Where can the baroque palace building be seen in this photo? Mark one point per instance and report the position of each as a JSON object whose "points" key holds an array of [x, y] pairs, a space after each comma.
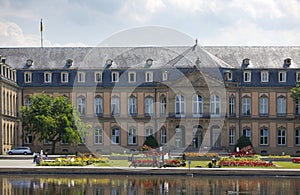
{"points": [[189, 98]]}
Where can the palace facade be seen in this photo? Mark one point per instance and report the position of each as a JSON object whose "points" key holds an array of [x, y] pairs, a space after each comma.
{"points": [[188, 98]]}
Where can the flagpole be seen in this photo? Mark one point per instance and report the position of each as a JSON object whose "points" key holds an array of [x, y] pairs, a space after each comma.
{"points": [[41, 29]]}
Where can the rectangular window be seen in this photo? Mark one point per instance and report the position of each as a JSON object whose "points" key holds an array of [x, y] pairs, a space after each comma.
{"points": [[163, 136], [148, 106], [98, 136], [231, 136], [98, 77], [132, 136], [282, 76], [27, 77], [64, 141], [247, 76], [232, 106], [246, 106], [115, 77], [115, 136], [264, 137], [179, 106], [165, 76], [47, 77], [115, 106], [148, 76], [163, 106], [98, 104], [264, 76], [297, 137], [81, 77], [131, 77], [28, 138], [197, 106], [298, 77], [281, 106], [247, 132], [263, 106], [64, 77], [132, 106], [281, 137]]}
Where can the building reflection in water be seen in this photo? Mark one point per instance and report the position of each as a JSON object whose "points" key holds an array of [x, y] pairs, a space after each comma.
{"points": [[147, 185]]}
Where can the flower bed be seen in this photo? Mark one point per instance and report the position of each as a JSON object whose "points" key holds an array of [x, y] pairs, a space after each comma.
{"points": [[296, 160], [244, 162], [149, 163], [74, 161]]}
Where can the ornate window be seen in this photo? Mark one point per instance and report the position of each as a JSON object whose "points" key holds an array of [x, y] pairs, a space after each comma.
{"points": [[163, 105], [231, 105], [148, 106], [281, 106], [246, 106], [132, 106], [215, 105], [263, 106], [115, 106]]}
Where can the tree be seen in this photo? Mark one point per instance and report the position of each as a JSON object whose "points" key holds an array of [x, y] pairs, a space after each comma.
{"points": [[53, 119], [295, 92], [243, 141], [151, 142]]}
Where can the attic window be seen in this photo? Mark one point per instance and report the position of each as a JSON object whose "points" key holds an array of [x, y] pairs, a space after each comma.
{"points": [[287, 62], [149, 62], [69, 62], [29, 62], [108, 63], [246, 62], [3, 59]]}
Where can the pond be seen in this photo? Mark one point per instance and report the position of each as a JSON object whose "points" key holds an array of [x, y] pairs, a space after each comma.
{"points": [[147, 185]]}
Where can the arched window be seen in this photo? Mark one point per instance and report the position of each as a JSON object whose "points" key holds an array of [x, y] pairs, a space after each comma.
{"points": [[179, 136], [263, 106], [197, 136]]}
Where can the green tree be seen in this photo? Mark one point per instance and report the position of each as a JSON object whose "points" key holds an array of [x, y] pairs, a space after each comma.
{"points": [[243, 141], [53, 119], [151, 142], [295, 92]]}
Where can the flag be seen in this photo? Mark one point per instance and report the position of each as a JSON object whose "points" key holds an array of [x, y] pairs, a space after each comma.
{"points": [[42, 26]]}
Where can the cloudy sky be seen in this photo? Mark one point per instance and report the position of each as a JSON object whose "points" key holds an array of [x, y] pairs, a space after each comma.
{"points": [[92, 22]]}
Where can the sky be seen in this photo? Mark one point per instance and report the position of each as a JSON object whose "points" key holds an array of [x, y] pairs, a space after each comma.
{"points": [[80, 23]]}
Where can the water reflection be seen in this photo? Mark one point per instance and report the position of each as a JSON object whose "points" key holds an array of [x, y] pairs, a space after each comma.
{"points": [[148, 185]]}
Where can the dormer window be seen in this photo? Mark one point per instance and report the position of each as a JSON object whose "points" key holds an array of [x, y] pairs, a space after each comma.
{"points": [[149, 63], [246, 62], [29, 62], [98, 77], [108, 63], [282, 76], [287, 62], [298, 76], [69, 62], [228, 75], [64, 77], [165, 76], [27, 77], [247, 76], [148, 76], [47, 77], [115, 77], [131, 77], [81, 77], [3, 59], [264, 76]]}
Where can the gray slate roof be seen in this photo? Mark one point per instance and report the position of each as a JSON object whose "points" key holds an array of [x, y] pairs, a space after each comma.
{"points": [[124, 57]]}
